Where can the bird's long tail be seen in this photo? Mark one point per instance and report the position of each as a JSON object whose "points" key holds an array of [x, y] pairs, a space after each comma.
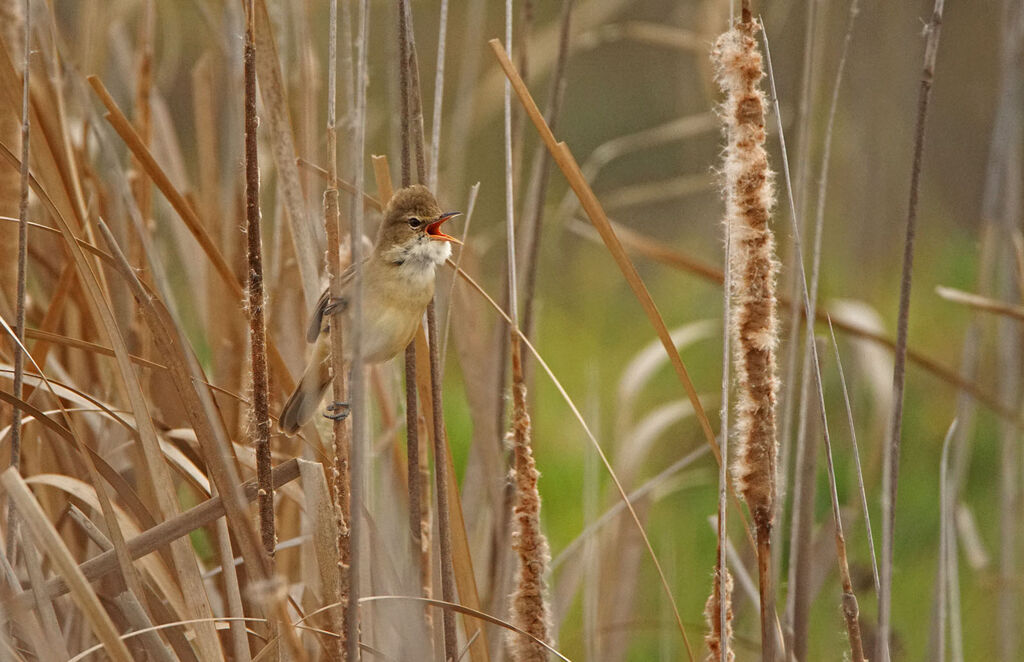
{"points": [[304, 401]]}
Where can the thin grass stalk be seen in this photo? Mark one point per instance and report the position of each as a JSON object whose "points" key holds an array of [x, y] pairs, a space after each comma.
{"points": [[891, 455], [850, 609], [946, 506], [357, 394], [749, 197], [533, 210], [865, 511], [340, 476], [718, 637], [435, 126], [798, 607], [19, 324], [796, 340], [257, 322]]}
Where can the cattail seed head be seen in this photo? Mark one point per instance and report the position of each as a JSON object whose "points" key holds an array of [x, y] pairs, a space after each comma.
{"points": [[749, 196]]}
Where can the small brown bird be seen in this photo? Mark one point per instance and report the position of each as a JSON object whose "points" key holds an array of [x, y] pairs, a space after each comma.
{"points": [[398, 283]]}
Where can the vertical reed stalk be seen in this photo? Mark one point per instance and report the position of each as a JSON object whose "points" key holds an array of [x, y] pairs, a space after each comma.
{"points": [[257, 322], [412, 146], [19, 325], [749, 195], [357, 392], [891, 459], [719, 606], [342, 440]]}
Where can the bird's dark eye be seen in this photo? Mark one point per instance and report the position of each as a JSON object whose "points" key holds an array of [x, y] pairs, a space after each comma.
{"points": [[415, 222]]}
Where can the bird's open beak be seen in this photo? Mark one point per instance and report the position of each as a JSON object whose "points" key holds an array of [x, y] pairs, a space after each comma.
{"points": [[434, 229]]}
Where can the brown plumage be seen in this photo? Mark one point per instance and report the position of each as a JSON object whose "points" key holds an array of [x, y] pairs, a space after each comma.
{"points": [[398, 283]]}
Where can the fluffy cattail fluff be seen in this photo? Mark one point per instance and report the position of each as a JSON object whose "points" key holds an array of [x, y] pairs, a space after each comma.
{"points": [[749, 196], [717, 636], [529, 609]]}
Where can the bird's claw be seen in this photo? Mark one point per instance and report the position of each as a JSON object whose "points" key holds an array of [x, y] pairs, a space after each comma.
{"points": [[335, 304], [339, 411]]}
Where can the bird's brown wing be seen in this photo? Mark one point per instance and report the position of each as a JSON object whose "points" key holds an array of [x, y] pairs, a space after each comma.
{"points": [[325, 305]]}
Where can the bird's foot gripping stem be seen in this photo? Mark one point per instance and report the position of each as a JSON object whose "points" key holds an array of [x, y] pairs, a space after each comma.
{"points": [[338, 411]]}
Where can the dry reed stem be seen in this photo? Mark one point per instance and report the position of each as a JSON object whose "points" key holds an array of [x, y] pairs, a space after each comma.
{"points": [[340, 470], [19, 325], [412, 145], [260, 411], [357, 391], [442, 486], [979, 302], [435, 120], [890, 462], [462, 562], [749, 197]]}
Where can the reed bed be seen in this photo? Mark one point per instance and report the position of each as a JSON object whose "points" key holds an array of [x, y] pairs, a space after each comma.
{"points": [[535, 478]]}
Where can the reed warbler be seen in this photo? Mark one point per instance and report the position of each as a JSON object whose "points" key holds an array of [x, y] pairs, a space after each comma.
{"points": [[398, 283]]}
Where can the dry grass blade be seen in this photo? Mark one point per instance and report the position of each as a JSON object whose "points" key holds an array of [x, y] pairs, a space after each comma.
{"points": [[209, 429], [979, 302], [161, 534], [155, 469], [47, 538], [462, 609], [185, 211]]}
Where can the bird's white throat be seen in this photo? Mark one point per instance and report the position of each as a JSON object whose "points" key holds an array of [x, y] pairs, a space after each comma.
{"points": [[417, 259]]}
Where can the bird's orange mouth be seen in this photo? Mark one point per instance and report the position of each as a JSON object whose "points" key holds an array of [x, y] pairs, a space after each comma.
{"points": [[434, 229]]}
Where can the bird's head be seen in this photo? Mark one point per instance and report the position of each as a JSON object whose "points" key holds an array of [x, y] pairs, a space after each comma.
{"points": [[411, 229]]}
